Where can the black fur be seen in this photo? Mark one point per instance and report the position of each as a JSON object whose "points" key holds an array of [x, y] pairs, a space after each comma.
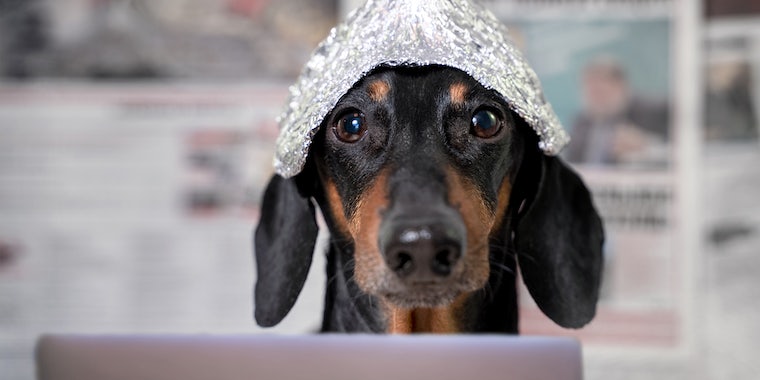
{"points": [[550, 230], [284, 243]]}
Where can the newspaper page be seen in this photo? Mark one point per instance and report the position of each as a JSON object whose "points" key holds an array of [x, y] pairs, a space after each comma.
{"points": [[607, 75], [135, 139]]}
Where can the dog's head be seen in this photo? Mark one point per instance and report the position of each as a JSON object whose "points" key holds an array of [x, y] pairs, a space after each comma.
{"points": [[427, 177]]}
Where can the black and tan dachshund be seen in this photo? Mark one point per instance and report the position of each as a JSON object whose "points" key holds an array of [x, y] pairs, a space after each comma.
{"points": [[434, 193]]}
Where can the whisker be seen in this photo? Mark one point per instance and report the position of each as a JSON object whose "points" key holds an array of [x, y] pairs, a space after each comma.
{"points": [[331, 280], [512, 252], [523, 255], [502, 267]]}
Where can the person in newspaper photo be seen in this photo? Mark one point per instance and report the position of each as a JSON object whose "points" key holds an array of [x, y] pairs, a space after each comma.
{"points": [[617, 126]]}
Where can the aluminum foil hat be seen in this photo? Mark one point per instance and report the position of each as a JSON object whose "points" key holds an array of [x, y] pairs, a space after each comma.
{"points": [[455, 33]]}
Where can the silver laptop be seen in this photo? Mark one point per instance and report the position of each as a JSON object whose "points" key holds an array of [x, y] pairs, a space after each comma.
{"points": [[315, 357]]}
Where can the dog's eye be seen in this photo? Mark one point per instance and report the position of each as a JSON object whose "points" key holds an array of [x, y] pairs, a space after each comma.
{"points": [[350, 127], [485, 124]]}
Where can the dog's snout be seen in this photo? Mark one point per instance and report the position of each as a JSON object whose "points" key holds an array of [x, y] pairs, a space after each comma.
{"points": [[422, 250]]}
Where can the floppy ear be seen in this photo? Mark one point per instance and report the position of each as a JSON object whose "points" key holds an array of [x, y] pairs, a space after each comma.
{"points": [[284, 243], [559, 238]]}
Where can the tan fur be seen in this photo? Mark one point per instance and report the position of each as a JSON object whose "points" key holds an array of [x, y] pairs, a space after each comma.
{"points": [[365, 227], [399, 320], [378, 90], [478, 221], [505, 190], [336, 207], [457, 93]]}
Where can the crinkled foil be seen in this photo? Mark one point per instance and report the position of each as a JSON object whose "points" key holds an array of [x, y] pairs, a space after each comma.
{"points": [[455, 33]]}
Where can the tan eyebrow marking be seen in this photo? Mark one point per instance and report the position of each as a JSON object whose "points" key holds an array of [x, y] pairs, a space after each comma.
{"points": [[378, 90], [457, 92]]}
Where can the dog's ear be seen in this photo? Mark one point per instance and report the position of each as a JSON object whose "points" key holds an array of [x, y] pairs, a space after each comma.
{"points": [[558, 238], [284, 243]]}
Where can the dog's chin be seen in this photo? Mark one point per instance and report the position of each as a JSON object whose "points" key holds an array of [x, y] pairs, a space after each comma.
{"points": [[426, 295], [411, 294], [422, 298]]}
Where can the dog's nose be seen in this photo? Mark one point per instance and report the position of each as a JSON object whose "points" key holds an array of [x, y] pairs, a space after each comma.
{"points": [[422, 251]]}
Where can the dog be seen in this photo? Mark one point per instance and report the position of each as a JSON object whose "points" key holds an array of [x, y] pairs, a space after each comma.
{"points": [[434, 193]]}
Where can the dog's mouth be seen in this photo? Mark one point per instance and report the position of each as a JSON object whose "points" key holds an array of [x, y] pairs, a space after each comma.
{"points": [[410, 293], [423, 295]]}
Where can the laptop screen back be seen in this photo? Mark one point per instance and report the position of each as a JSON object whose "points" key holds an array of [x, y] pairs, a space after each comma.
{"points": [[333, 357]]}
